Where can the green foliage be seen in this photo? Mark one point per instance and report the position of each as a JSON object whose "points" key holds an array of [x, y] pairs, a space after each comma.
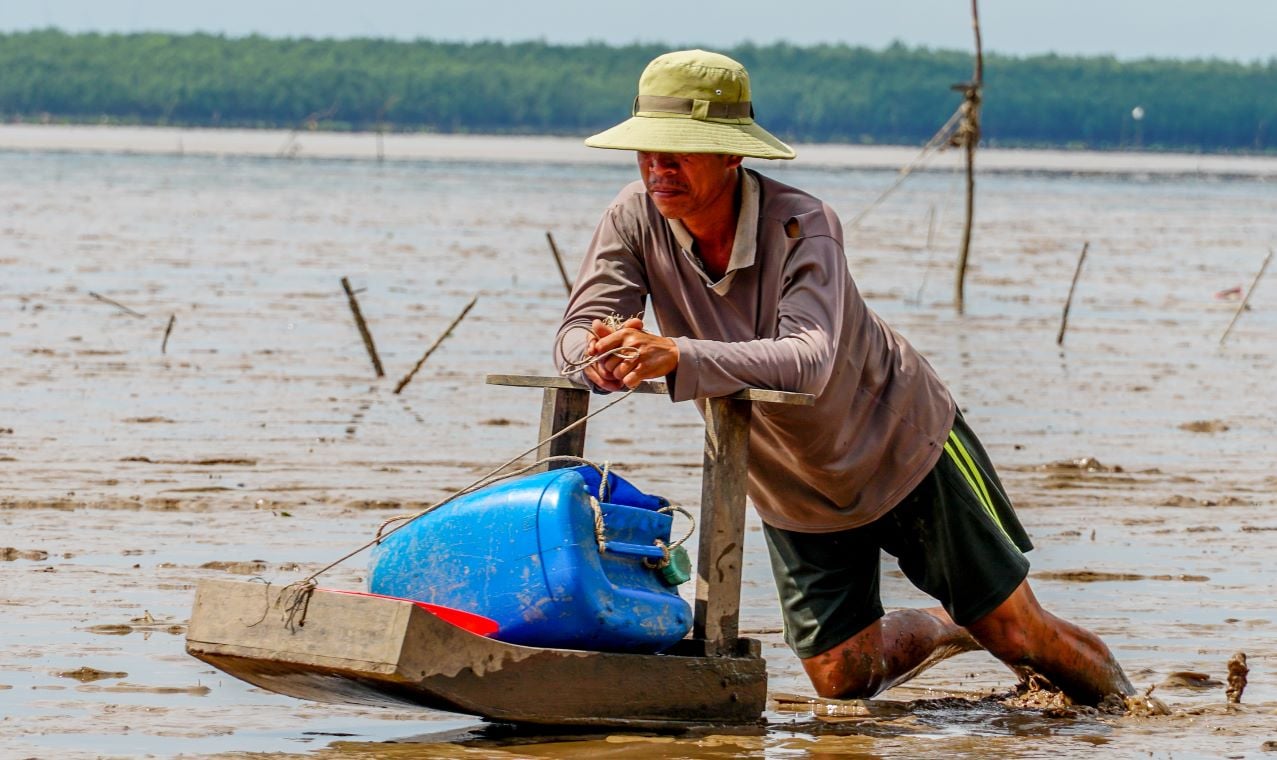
{"points": [[820, 93]]}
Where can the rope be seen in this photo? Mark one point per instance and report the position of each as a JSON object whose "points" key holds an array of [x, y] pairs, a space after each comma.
{"points": [[598, 523], [487, 479], [661, 563], [614, 323], [938, 140], [478, 485], [625, 352], [690, 519]]}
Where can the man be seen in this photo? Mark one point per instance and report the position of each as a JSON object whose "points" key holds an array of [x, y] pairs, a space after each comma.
{"points": [[749, 282]]}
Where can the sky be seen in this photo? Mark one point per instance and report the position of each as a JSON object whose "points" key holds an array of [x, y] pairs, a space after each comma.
{"points": [[1243, 30]]}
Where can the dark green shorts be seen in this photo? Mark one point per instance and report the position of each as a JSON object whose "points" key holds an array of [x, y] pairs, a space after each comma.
{"points": [[955, 537]]}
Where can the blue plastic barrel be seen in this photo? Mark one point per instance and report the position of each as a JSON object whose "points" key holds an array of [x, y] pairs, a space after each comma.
{"points": [[524, 553]]}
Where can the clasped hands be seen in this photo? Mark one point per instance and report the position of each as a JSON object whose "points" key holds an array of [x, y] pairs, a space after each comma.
{"points": [[649, 356]]}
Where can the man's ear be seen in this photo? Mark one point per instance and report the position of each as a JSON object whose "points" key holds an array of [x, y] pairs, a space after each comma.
{"points": [[734, 161]]}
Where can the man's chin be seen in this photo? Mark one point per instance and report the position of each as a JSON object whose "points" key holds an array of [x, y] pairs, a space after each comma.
{"points": [[668, 206]]}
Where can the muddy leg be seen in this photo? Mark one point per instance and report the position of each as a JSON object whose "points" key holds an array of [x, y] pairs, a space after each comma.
{"points": [[893, 649], [1028, 639]]}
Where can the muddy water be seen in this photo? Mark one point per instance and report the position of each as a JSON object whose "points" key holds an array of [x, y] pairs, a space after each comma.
{"points": [[258, 442]]}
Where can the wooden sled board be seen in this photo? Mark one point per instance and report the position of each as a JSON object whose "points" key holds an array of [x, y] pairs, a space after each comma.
{"points": [[380, 651]]}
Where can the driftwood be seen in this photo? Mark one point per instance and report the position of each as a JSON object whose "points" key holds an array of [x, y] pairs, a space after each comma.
{"points": [[116, 304]]}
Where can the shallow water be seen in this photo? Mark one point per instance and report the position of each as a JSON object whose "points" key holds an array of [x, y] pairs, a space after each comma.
{"points": [[261, 433]]}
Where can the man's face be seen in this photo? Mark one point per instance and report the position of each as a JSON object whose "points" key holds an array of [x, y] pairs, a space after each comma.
{"points": [[686, 184]]}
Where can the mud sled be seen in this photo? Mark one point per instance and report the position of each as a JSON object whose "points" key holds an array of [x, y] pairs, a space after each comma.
{"points": [[355, 648]]}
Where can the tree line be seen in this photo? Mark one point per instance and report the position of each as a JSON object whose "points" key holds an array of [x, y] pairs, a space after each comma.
{"points": [[821, 93]]}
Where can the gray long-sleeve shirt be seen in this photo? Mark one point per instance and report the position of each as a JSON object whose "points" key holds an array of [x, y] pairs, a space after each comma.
{"points": [[786, 316]]}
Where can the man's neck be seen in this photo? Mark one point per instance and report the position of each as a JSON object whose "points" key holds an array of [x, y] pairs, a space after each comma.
{"points": [[714, 229]]}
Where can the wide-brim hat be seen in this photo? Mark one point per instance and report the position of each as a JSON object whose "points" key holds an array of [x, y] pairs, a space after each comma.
{"points": [[693, 101]]}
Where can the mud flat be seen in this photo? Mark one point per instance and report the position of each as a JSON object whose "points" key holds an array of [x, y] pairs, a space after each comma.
{"points": [[258, 443]]}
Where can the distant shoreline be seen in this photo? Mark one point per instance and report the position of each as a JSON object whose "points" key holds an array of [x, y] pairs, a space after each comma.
{"points": [[422, 147]]}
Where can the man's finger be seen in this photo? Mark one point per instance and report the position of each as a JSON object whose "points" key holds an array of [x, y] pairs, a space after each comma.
{"points": [[607, 383], [616, 339], [598, 330]]}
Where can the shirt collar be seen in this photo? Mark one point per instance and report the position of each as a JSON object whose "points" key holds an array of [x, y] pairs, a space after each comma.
{"points": [[743, 245]]}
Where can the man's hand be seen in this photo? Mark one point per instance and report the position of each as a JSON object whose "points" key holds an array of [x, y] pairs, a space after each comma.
{"points": [[653, 355], [601, 372]]}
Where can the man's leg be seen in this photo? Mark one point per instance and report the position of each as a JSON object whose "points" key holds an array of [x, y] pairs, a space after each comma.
{"points": [[890, 651], [1028, 639], [965, 546]]}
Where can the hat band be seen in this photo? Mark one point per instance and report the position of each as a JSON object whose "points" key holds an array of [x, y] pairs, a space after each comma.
{"points": [[697, 109]]}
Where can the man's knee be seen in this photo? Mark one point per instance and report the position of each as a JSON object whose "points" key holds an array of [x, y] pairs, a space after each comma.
{"points": [[833, 677], [853, 669]]}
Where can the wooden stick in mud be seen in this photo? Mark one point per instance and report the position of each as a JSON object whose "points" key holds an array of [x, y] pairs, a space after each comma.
{"points": [[969, 133], [1237, 672], [116, 304], [1064, 320], [167, 330], [363, 328], [567, 284], [408, 377], [1242, 306]]}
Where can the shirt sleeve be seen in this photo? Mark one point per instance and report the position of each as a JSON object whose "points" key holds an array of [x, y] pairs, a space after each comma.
{"points": [[813, 296], [611, 281]]}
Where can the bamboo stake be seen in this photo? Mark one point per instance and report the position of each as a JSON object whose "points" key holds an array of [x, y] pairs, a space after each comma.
{"points": [[1064, 320], [363, 328], [116, 304], [567, 284], [970, 132], [1242, 306], [167, 330], [408, 377]]}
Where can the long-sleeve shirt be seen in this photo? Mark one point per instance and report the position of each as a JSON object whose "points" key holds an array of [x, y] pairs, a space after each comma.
{"points": [[786, 316]]}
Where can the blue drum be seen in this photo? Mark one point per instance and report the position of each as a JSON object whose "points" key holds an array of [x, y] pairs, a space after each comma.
{"points": [[526, 553]]}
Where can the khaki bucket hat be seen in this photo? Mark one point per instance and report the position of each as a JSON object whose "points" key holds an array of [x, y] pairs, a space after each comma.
{"points": [[693, 101]]}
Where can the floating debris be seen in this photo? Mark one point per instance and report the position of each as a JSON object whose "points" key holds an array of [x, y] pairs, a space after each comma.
{"points": [[1189, 679], [9, 554], [1083, 464], [1205, 426], [87, 674]]}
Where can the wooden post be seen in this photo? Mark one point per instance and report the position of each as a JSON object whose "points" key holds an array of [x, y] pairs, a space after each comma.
{"points": [[1064, 319], [970, 134], [1246, 300], [561, 407], [720, 556], [722, 523], [363, 328], [438, 342], [167, 330], [558, 260]]}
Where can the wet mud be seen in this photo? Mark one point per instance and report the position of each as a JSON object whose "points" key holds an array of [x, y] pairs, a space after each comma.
{"points": [[257, 443]]}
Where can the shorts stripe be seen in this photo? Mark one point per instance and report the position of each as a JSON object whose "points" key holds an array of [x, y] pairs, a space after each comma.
{"points": [[958, 453]]}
